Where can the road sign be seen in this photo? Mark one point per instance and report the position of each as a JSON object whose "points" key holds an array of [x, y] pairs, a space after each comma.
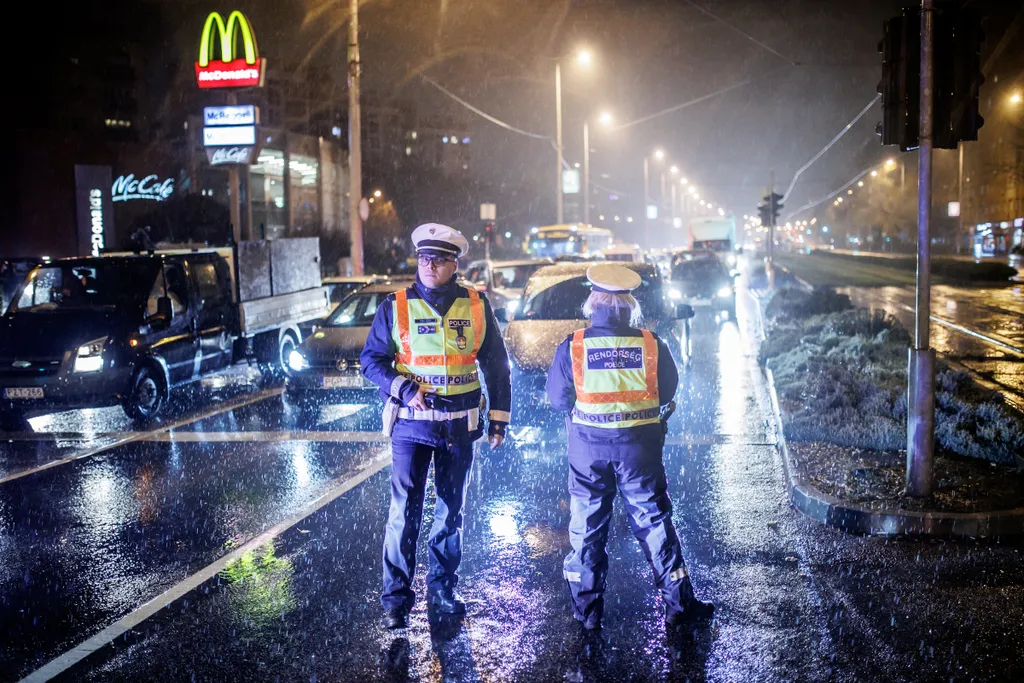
{"points": [[652, 211], [228, 136], [953, 209], [570, 181], [488, 212], [235, 115]]}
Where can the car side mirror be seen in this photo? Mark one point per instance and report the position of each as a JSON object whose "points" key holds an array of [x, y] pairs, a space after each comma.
{"points": [[501, 315], [161, 320], [684, 311]]}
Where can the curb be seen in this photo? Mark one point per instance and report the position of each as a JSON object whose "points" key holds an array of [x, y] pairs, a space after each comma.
{"points": [[858, 519]]}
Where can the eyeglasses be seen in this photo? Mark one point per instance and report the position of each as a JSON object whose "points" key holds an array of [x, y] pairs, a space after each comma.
{"points": [[435, 261]]}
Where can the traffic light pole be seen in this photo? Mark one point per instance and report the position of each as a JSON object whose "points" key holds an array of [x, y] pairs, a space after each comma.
{"points": [[770, 270], [921, 370], [355, 153]]}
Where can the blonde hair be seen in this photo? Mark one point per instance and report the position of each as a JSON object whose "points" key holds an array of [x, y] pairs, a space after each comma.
{"points": [[621, 301]]}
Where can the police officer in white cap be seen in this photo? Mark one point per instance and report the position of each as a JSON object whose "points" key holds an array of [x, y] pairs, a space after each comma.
{"points": [[613, 378], [426, 349]]}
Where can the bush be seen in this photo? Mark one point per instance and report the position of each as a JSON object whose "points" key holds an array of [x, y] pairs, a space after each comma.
{"points": [[842, 376]]}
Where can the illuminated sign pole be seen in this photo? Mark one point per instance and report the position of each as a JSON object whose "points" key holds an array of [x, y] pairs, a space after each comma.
{"points": [[230, 133]]}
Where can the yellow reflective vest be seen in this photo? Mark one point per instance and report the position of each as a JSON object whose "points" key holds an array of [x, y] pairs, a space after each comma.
{"points": [[616, 380], [436, 351]]}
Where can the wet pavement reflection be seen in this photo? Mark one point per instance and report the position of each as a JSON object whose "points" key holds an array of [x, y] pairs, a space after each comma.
{"points": [[84, 544]]}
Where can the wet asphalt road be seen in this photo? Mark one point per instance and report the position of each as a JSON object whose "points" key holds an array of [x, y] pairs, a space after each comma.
{"points": [[85, 543]]}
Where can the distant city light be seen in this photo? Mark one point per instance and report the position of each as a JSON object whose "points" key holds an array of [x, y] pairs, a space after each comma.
{"points": [[674, 169], [508, 235], [444, 139], [659, 154], [583, 57], [376, 193]]}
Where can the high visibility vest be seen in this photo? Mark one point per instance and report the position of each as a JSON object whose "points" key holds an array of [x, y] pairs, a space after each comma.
{"points": [[436, 351], [616, 380]]}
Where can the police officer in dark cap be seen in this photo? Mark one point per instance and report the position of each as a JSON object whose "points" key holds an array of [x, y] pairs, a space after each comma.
{"points": [[613, 378], [426, 348]]}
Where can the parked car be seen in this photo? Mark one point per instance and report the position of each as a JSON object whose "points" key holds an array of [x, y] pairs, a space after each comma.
{"points": [[503, 281], [339, 287], [701, 280], [12, 274], [328, 360], [553, 308], [126, 328]]}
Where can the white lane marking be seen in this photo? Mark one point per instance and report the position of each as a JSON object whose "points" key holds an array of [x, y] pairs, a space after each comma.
{"points": [[138, 436], [245, 437], [65, 661]]}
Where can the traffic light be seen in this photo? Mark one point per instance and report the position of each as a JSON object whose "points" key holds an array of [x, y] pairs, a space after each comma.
{"points": [[900, 86], [764, 213], [957, 78], [771, 208]]}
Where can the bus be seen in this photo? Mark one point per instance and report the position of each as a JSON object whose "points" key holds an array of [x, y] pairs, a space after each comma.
{"points": [[571, 239]]}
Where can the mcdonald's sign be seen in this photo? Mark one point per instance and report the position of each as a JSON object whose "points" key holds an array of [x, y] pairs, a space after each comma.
{"points": [[232, 70]]}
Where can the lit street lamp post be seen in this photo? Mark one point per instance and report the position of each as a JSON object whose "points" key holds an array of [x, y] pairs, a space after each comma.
{"points": [[583, 58]]}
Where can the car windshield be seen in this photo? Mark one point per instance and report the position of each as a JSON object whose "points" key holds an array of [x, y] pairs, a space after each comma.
{"points": [[357, 310], [92, 285], [513, 277], [564, 301], [697, 269]]}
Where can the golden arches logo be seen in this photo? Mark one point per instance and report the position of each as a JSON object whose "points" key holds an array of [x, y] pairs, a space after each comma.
{"points": [[232, 71], [226, 33]]}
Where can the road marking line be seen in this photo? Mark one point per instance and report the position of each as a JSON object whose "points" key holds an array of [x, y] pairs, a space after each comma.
{"points": [[138, 436], [245, 437], [65, 661]]}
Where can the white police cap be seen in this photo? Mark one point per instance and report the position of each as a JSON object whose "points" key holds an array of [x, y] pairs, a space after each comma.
{"points": [[434, 237], [613, 279]]}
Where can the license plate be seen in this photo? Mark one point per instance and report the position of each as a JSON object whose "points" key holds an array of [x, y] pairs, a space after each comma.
{"points": [[343, 382], [23, 392]]}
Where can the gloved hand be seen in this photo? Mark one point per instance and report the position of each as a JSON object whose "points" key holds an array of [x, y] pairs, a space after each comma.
{"points": [[496, 434]]}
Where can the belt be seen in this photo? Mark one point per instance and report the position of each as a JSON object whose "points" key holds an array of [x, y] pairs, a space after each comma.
{"points": [[472, 415]]}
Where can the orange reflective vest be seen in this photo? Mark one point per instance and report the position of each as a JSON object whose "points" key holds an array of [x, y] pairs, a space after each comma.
{"points": [[616, 380]]}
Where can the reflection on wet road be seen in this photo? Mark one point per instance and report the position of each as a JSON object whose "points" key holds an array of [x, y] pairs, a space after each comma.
{"points": [[85, 544]]}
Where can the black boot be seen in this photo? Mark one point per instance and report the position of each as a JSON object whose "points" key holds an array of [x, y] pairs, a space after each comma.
{"points": [[446, 600], [591, 622], [693, 610], [397, 617]]}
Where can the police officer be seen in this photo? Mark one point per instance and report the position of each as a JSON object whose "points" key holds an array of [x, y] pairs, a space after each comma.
{"points": [[425, 350], [613, 378]]}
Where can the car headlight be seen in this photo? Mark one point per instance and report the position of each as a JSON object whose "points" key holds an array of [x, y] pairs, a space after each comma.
{"points": [[724, 292], [90, 356], [675, 294], [731, 259], [296, 361], [511, 306]]}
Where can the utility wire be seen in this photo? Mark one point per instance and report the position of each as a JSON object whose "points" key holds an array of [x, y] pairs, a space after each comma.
{"points": [[492, 119], [832, 194], [683, 105], [742, 33], [829, 145]]}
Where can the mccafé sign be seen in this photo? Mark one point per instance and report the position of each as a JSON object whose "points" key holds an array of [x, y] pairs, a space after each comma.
{"points": [[233, 70]]}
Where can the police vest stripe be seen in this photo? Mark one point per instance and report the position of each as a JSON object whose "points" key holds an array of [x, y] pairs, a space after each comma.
{"points": [[616, 380], [439, 352]]}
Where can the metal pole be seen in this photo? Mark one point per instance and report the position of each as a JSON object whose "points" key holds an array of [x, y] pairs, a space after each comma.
{"points": [[921, 370], [586, 173], [235, 190], [558, 144], [674, 212], [355, 150], [647, 194], [960, 199], [770, 270]]}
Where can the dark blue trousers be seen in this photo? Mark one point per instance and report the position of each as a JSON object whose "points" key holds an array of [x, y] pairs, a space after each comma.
{"points": [[410, 463], [592, 486]]}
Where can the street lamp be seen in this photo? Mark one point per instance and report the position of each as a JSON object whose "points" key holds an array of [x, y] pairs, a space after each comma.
{"points": [[1016, 98], [583, 58], [605, 119]]}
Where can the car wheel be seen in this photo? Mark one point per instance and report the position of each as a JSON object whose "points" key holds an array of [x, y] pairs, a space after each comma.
{"points": [[147, 394], [275, 364]]}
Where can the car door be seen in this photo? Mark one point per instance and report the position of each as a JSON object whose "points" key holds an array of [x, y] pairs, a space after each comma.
{"points": [[176, 343], [213, 305]]}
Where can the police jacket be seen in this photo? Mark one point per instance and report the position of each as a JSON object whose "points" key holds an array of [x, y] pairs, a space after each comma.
{"points": [[378, 364], [629, 443]]}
